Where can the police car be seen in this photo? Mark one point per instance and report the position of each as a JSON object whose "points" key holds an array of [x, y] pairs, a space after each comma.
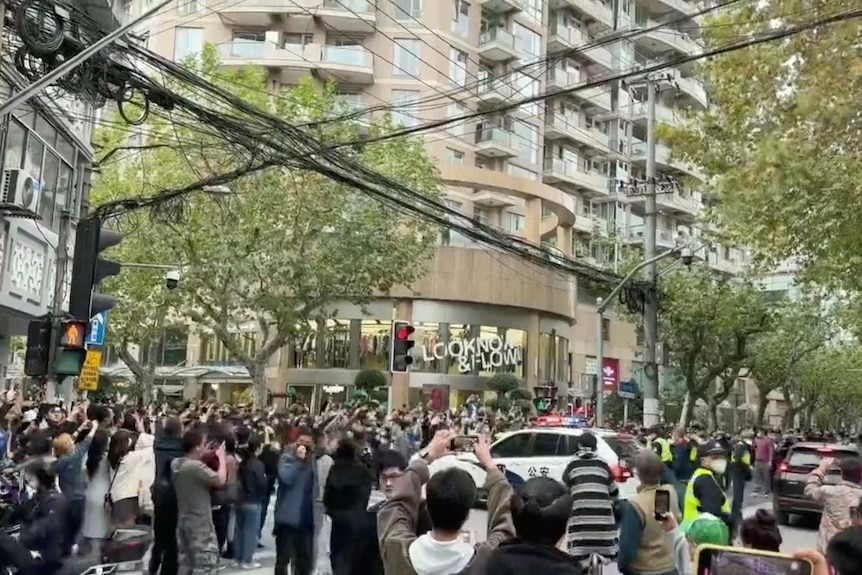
{"points": [[546, 450]]}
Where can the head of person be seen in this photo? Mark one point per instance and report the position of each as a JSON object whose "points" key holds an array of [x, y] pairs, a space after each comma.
{"points": [[540, 511], [250, 449], [851, 469], [449, 496], [844, 551], [587, 442], [678, 435], [390, 466], [705, 529], [194, 443], [39, 444], [173, 427], [41, 474], [654, 431], [761, 532], [305, 437], [648, 467], [713, 456], [63, 445], [56, 415], [121, 444]]}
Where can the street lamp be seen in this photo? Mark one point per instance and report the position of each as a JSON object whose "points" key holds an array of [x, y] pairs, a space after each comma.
{"points": [[601, 306]]}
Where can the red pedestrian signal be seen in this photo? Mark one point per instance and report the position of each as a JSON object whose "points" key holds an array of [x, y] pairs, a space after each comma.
{"points": [[73, 334], [400, 346]]}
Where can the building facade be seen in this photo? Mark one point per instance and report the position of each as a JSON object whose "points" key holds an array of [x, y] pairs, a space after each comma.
{"points": [[554, 172]]}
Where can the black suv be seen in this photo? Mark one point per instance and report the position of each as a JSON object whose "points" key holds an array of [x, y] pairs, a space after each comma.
{"points": [[792, 474]]}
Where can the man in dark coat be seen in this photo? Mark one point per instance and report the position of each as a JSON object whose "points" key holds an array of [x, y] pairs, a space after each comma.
{"points": [[167, 447]]}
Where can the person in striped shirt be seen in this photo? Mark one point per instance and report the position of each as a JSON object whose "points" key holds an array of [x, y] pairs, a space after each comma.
{"points": [[592, 525]]}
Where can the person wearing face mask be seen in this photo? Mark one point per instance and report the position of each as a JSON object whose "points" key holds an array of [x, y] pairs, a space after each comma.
{"points": [[704, 494]]}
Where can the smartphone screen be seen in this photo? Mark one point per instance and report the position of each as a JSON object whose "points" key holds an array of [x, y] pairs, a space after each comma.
{"points": [[732, 561], [662, 503]]}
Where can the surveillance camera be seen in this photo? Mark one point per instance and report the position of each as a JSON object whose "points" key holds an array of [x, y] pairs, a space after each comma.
{"points": [[172, 279], [685, 256]]}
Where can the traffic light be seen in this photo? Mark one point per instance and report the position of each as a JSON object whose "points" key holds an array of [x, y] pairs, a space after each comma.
{"points": [[545, 398], [402, 342], [39, 342], [88, 269]]}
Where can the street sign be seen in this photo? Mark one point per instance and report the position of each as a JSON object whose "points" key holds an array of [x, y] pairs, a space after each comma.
{"points": [[627, 389], [98, 327], [89, 378]]}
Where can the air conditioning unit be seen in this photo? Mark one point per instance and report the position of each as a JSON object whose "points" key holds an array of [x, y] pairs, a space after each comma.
{"points": [[20, 189]]}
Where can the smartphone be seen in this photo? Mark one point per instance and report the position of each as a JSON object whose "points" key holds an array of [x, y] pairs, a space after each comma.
{"points": [[717, 560], [662, 504], [463, 443]]}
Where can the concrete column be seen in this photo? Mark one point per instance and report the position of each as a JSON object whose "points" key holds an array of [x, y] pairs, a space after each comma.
{"points": [[564, 239], [532, 359], [533, 221], [399, 390], [191, 388]]}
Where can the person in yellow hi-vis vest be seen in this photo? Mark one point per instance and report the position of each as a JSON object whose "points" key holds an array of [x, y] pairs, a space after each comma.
{"points": [[739, 473], [704, 494]]}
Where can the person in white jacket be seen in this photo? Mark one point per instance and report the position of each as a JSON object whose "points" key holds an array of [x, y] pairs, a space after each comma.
{"points": [[132, 469]]}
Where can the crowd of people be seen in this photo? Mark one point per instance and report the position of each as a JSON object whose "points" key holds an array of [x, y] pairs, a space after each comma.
{"points": [[353, 494]]}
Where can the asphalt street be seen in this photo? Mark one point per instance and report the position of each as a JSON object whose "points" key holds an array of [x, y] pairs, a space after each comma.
{"points": [[797, 536]]}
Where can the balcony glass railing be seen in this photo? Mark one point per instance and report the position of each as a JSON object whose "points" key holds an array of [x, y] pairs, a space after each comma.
{"points": [[563, 77], [494, 135], [347, 56], [497, 36], [243, 49], [489, 83], [359, 6], [568, 34]]}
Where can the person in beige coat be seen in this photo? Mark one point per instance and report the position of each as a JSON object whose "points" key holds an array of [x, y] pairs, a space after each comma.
{"points": [[837, 500], [444, 550]]}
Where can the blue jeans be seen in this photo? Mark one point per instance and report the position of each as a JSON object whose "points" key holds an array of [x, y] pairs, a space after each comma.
{"points": [[245, 536]]}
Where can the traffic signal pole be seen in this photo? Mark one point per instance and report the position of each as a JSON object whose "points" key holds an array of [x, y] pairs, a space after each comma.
{"points": [[62, 257]]}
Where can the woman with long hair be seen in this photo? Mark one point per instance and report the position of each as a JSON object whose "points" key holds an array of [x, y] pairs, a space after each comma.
{"points": [[97, 520], [131, 459], [252, 489]]}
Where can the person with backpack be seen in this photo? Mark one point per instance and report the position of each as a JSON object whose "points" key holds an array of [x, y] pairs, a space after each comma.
{"points": [[167, 447]]}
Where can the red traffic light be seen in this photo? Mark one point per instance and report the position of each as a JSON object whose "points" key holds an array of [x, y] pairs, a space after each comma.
{"points": [[73, 334], [405, 331]]}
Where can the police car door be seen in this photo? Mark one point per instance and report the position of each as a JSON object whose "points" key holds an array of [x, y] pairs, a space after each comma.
{"points": [[547, 457], [511, 454]]}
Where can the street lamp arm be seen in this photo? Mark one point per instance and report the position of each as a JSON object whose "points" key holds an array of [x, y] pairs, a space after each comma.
{"points": [[607, 301], [143, 266]]}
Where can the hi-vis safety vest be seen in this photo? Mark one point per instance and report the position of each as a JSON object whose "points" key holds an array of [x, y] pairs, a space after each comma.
{"points": [[666, 451], [746, 457], [691, 509]]}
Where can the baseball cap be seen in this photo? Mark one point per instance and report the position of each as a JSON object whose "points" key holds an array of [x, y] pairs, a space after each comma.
{"points": [[706, 529]]}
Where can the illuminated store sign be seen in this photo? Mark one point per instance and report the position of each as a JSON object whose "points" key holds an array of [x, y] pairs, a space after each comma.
{"points": [[479, 353]]}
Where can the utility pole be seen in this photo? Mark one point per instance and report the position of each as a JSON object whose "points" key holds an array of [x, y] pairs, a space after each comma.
{"points": [[62, 257], [650, 368]]}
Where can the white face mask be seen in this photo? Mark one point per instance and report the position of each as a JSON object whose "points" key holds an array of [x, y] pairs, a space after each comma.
{"points": [[719, 466]]}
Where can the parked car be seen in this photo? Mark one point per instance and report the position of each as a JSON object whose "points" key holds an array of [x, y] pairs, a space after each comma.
{"points": [[547, 451], [788, 493]]}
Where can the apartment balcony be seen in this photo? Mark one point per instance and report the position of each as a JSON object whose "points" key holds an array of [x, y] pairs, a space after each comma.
{"points": [[584, 224], [663, 157], [559, 171], [592, 8], [682, 207], [500, 6], [561, 79], [639, 114], [599, 55], [664, 238], [291, 61], [596, 98], [487, 199], [498, 45], [693, 89], [348, 64], [492, 90], [666, 39], [680, 6], [564, 37], [251, 13], [558, 126], [724, 265], [495, 143], [348, 16]]}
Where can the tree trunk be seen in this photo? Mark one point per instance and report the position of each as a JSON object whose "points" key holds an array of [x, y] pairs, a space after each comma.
{"points": [[712, 412], [148, 384], [789, 416], [687, 410], [259, 391], [762, 404]]}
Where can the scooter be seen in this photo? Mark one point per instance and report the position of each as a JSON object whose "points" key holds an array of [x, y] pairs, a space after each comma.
{"points": [[123, 552]]}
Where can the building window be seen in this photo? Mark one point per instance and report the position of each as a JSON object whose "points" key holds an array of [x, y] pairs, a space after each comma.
{"points": [[481, 215], [408, 9], [454, 157], [515, 170], [404, 104], [458, 67], [606, 329], [461, 18], [170, 350], [188, 6], [407, 57], [50, 171], [16, 137], [514, 222], [374, 344], [187, 42], [531, 43], [214, 352]]}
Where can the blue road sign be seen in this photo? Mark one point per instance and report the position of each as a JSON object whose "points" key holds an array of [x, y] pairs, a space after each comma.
{"points": [[627, 389], [98, 327]]}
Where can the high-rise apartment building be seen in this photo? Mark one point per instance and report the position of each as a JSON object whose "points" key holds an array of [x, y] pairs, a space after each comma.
{"points": [[553, 171]]}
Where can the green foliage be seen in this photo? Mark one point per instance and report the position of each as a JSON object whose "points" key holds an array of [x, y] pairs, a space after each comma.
{"points": [[615, 408], [509, 392], [369, 380], [285, 245], [780, 357], [780, 139], [706, 325]]}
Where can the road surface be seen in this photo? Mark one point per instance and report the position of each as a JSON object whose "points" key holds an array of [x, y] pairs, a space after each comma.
{"points": [[797, 536]]}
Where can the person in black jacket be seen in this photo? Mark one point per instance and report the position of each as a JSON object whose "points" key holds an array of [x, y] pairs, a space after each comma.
{"points": [[167, 447], [269, 456], [252, 489], [345, 498], [41, 545]]}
